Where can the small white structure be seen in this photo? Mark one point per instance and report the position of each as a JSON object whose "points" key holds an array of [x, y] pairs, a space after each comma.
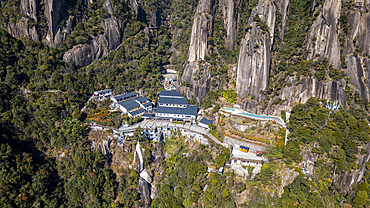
{"points": [[204, 123], [120, 141], [332, 106], [155, 130], [101, 94]]}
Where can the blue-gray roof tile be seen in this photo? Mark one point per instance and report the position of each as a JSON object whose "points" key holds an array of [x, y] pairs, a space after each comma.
{"points": [[126, 96], [173, 93], [129, 104], [147, 104], [172, 100], [142, 99], [205, 121], [189, 110], [136, 112]]}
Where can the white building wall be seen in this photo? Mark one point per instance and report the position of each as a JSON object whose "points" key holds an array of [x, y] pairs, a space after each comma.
{"points": [[123, 109], [113, 99], [203, 125], [171, 105]]}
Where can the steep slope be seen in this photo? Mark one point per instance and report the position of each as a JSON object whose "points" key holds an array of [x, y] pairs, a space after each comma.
{"points": [[228, 12], [197, 73], [324, 31], [110, 39], [328, 37], [253, 66], [50, 23]]}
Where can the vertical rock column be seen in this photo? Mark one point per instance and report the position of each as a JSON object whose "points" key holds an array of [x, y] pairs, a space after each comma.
{"points": [[253, 66], [199, 75], [228, 11], [52, 13], [325, 31]]}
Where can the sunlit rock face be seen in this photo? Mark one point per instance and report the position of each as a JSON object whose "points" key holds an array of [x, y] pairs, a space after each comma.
{"points": [[254, 59], [199, 75], [55, 34]]}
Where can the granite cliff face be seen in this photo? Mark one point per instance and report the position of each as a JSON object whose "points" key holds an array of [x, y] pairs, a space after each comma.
{"points": [[324, 29], [55, 33], [327, 38], [323, 41], [358, 75], [326, 89], [197, 74], [85, 54], [253, 63], [52, 12], [28, 11], [228, 12], [21, 29], [346, 179], [358, 37], [254, 57], [202, 25]]}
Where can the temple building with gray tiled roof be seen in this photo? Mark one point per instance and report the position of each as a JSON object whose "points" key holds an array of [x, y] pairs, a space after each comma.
{"points": [[173, 106], [131, 104]]}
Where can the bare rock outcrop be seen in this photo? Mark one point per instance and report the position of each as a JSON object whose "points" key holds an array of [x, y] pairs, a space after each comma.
{"points": [[97, 47], [202, 24], [324, 29], [55, 34], [310, 87], [81, 55], [139, 156], [21, 29], [345, 179], [359, 25], [134, 6], [197, 74], [228, 11], [29, 8], [357, 75], [144, 189], [199, 77], [52, 13], [253, 66], [284, 12], [266, 10], [363, 34]]}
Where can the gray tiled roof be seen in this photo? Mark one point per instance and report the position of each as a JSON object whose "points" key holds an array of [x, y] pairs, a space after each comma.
{"points": [[189, 110], [205, 121], [125, 96], [142, 99], [173, 93], [147, 104], [172, 100], [138, 111], [129, 104]]}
